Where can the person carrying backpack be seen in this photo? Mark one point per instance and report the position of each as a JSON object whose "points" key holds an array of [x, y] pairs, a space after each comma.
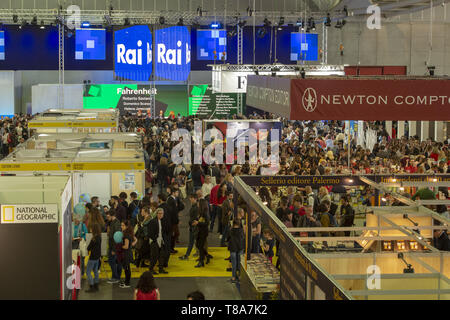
{"points": [[133, 208]]}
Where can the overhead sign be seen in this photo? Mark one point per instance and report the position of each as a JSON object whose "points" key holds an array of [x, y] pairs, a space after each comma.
{"points": [[173, 53], [367, 99], [203, 103], [135, 59], [133, 53], [29, 213], [270, 94]]}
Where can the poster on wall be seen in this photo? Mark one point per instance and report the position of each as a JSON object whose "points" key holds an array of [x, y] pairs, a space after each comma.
{"points": [[2, 45], [127, 181], [203, 103], [134, 98]]}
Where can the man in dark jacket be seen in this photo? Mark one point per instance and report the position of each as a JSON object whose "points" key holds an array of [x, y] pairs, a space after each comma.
{"points": [[193, 220], [175, 205], [134, 203], [157, 243], [347, 214], [227, 213], [167, 227], [441, 240], [236, 247], [120, 211], [114, 226]]}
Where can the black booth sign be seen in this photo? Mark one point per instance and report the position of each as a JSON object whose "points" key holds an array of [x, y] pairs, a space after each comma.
{"points": [[319, 181]]}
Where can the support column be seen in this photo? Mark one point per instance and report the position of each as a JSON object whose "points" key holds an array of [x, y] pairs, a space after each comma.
{"points": [[424, 131], [389, 128], [412, 128], [400, 129], [439, 134]]}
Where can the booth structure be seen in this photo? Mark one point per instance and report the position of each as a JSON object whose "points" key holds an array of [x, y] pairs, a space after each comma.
{"points": [[101, 164], [75, 121], [390, 256], [35, 237]]}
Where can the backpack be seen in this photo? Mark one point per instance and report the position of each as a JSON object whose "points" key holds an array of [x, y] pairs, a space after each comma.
{"points": [[135, 211]]}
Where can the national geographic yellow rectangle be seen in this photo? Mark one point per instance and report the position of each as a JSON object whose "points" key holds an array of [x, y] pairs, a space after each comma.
{"points": [[10, 167]]}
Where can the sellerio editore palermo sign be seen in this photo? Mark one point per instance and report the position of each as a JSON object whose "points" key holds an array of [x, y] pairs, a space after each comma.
{"points": [[29, 213]]}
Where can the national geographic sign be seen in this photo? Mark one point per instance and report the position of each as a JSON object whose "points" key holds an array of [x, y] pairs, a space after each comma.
{"points": [[29, 213]]}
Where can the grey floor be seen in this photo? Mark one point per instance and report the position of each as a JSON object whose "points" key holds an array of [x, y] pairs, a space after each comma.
{"points": [[173, 288]]}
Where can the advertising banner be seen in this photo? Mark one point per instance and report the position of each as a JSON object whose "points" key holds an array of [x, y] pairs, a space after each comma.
{"points": [[136, 59], [377, 99], [29, 213], [134, 98], [270, 94], [203, 103]]}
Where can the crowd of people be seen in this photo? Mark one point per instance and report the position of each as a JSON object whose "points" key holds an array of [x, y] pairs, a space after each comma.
{"points": [[12, 132], [149, 226]]}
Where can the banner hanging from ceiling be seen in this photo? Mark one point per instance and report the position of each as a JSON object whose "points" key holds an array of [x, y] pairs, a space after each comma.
{"points": [[377, 99]]}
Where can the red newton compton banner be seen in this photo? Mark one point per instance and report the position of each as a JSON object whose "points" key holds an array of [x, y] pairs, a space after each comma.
{"points": [[331, 99]]}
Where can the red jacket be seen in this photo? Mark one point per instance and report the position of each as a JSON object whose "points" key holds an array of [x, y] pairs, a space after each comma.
{"points": [[213, 195]]}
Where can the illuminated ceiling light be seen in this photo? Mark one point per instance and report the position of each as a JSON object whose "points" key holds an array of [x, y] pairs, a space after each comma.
{"points": [[394, 180], [402, 189]]}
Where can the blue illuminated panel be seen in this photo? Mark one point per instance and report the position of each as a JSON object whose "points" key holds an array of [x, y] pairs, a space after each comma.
{"points": [[173, 53], [133, 53], [2, 45], [90, 44], [304, 46], [212, 44]]}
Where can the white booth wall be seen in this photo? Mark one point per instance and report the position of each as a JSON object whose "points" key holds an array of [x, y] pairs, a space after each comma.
{"points": [[45, 96], [7, 93]]}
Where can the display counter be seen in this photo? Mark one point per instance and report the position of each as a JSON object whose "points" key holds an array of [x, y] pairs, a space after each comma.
{"points": [[261, 280]]}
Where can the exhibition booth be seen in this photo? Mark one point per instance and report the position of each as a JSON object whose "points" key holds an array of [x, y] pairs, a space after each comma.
{"points": [[36, 237], [101, 164], [75, 120], [389, 244]]}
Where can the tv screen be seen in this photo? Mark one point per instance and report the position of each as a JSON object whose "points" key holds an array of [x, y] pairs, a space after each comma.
{"points": [[212, 44], [90, 44], [304, 46]]}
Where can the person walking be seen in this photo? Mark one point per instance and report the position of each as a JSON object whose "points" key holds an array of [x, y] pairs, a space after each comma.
{"points": [[157, 244], [143, 246], [203, 223], [95, 249], [227, 214], [193, 221], [236, 247], [146, 288], [129, 240]]}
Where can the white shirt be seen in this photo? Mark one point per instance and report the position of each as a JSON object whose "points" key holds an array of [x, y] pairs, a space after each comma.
{"points": [[206, 188], [159, 240]]}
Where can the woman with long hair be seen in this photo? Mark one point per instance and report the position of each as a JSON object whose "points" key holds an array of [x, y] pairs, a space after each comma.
{"points": [[95, 217], [146, 288], [95, 249], [129, 240], [202, 232]]}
